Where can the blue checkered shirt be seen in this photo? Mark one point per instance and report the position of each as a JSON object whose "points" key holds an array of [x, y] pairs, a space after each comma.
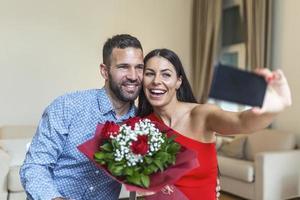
{"points": [[53, 166]]}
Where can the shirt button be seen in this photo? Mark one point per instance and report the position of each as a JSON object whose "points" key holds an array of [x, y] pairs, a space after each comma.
{"points": [[97, 172], [91, 188]]}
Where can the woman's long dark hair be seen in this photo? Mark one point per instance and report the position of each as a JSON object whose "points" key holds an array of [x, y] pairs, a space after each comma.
{"points": [[183, 94]]}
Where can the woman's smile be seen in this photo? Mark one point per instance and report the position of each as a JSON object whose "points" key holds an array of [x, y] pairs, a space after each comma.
{"points": [[160, 81]]}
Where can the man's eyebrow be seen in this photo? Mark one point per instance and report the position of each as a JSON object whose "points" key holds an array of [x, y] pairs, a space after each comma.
{"points": [[122, 64], [127, 64]]}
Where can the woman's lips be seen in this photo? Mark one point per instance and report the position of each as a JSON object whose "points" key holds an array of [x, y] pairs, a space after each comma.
{"points": [[156, 93]]}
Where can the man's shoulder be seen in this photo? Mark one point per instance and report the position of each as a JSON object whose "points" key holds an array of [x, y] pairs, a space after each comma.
{"points": [[82, 94], [77, 98]]}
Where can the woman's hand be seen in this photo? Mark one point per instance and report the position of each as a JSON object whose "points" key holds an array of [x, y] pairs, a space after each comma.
{"points": [[168, 190], [278, 94], [145, 193]]}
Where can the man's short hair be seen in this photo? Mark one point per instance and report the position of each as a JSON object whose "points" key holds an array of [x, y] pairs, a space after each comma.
{"points": [[121, 41]]}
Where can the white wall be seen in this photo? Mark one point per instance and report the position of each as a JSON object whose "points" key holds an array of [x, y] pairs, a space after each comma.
{"points": [[52, 47], [286, 55]]}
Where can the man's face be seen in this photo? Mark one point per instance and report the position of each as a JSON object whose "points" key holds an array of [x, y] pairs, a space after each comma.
{"points": [[125, 73]]}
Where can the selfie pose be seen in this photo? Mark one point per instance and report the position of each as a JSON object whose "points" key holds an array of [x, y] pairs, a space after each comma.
{"points": [[167, 97]]}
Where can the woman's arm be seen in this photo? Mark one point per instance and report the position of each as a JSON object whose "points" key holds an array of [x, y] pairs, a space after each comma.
{"points": [[277, 98]]}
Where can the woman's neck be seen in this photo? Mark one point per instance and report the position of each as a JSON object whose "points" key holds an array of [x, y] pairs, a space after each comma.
{"points": [[167, 113]]}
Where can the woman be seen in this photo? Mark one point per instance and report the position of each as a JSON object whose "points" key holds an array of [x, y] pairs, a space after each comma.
{"points": [[167, 97]]}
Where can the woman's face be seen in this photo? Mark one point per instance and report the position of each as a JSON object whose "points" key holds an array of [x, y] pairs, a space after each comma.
{"points": [[160, 81]]}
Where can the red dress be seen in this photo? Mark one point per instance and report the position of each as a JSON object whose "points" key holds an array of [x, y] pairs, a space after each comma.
{"points": [[199, 183]]}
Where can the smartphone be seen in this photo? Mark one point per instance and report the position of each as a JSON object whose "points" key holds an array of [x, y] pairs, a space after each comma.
{"points": [[238, 86]]}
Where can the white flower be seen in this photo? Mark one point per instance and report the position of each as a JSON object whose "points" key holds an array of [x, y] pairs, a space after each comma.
{"points": [[127, 135]]}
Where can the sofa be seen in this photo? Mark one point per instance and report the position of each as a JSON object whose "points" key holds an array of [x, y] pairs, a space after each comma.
{"points": [[264, 165], [13, 144]]}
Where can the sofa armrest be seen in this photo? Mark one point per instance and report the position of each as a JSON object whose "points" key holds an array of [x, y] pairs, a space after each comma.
{"points": [[277, 174], [4, 168]]}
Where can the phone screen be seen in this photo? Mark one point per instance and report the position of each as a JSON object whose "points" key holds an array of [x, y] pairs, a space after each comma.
{"points": [[238, 86]]}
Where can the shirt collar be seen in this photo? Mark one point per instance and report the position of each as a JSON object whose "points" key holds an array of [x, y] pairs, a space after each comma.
{"points": [[106, 106]]}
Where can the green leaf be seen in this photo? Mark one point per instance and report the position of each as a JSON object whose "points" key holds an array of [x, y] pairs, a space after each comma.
{"points": [[129, 171], [172, 159], [162, 156], [109, 156], [159, 165], [145, 180], [118, 170], [153, 167], [101, 162], [134, 179], [115, 144], [115, 170], [148, 160], [174, 148], [120, 163], [99, 155], [107, 147], [137, 169], [148, 171]]}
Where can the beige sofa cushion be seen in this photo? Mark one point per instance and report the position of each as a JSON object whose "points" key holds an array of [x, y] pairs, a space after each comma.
{"points": [[14, 140], [4, 169], [220, 140], [237, 169], [234, 148], [14, 183], [268, 140], [16, 149]]}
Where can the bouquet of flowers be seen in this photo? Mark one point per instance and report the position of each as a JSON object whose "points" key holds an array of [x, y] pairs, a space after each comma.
{"points": [[134, 153], [140, 153]]}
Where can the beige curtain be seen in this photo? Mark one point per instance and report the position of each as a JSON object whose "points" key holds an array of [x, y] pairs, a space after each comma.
{"points": [[258, 24], [206, 27]]}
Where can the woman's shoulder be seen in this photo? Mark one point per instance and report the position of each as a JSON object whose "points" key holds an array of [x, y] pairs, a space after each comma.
{"points": [[199, 114], [197, 110], [203, 108]]}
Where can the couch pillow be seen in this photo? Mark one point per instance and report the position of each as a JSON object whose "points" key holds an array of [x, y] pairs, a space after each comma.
{"points": [[16, 149], [234, 148], [268, 140], [220, 139], [13, 180], [235, 168]]}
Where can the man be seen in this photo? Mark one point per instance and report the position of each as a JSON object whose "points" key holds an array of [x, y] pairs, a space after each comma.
{"points": [[54, 168]]}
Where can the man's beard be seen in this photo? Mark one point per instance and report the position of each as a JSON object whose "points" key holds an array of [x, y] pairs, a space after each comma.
{"points": [[120, 93]]}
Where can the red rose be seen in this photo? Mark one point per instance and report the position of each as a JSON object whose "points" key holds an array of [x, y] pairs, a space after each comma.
{"points": [[141, 145], [132, 121], [110, 128]]}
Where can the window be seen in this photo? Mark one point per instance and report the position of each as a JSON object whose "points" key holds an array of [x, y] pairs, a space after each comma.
{"points": [[233, 35], [232, 45], [232, 26]]}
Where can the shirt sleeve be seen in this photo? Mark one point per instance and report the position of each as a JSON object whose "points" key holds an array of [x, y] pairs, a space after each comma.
{"points": [[47, 144]]}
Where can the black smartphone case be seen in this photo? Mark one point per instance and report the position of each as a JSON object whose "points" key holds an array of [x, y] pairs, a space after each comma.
{"points": [[238, 86]]}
